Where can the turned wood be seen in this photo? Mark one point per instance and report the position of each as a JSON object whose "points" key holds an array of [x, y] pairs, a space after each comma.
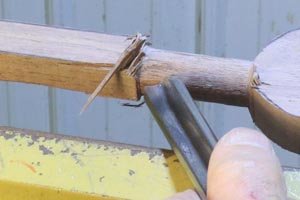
{"points": [[77, 60], [207, 78]]}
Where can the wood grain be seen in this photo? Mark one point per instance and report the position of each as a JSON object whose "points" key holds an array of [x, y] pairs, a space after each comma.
{"points": [[125, 59], [63, 58], [78, 60], [207, 78]]}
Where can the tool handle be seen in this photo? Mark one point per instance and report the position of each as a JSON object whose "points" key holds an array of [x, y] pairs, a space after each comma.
{"points": [[185, 128]]}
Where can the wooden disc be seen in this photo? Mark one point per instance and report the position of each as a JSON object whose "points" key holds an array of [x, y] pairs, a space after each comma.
{"points": [[275, 102]]}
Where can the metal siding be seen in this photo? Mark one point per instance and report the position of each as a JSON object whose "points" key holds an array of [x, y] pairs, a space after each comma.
{"points": [[4, 119], [3, 88], [230, 30], [174, 27], [87, 15], [26, 105]]}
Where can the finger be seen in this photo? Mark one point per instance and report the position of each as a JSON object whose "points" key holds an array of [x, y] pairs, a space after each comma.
{"points": [[243, 166], [186, 195]]}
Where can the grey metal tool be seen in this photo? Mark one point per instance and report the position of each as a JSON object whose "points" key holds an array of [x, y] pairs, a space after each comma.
{"points": [[185, 128]]}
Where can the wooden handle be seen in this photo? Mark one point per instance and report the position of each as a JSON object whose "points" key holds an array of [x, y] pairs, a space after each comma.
{"points": [[207, 78], [78, 60]]}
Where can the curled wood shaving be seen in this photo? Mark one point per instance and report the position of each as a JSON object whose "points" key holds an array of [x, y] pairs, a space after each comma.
{"points": [[135, 65], [127, 57], [255, 80]]}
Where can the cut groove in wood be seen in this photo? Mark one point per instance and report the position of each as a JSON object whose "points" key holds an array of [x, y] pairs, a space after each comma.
{"points": [[129, 55]]}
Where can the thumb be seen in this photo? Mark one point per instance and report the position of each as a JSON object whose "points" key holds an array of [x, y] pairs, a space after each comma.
{"points": [[243, 166]]}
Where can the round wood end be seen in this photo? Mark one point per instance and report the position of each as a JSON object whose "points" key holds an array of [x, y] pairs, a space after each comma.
{"points": [[275, 96]]}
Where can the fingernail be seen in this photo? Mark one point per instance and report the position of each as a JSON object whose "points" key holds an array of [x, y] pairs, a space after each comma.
{"points": [[247, 137]]}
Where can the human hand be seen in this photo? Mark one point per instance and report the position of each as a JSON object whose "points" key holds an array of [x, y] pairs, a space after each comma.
{"points": [[243, 166]]}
